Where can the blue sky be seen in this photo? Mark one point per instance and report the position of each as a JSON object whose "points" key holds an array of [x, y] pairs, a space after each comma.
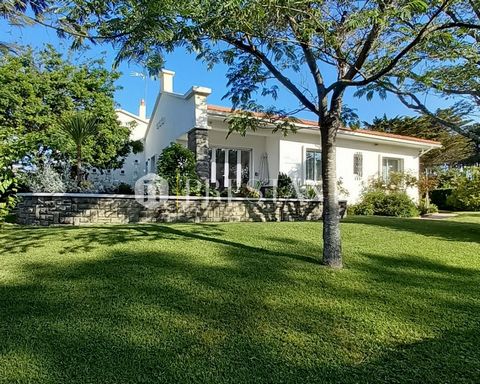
{"points": [[188, 72]]}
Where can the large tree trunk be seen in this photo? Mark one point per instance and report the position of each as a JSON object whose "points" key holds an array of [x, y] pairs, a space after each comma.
{"points": [[332, 247]]}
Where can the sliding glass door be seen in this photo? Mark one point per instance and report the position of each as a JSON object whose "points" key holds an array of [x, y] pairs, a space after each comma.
{"points": [[230, 167]]}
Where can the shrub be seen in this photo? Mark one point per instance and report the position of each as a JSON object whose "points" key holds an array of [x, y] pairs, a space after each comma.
{"points": [[285, 188], [425, 208], [364, 209], [465, 195], [124, 189], [176, 164], [439, 197], [397, 181], [386, 204], [248, 192], [44, 179]]}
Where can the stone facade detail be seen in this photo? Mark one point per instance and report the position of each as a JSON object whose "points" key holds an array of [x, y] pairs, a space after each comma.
{"points": [[78, 209], [198, 144]]}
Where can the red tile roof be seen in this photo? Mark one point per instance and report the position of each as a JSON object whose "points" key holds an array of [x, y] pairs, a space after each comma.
{"points": [[216, 108]]}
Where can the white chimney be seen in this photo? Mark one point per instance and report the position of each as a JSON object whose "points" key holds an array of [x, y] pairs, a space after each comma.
{"points": [[142, 110], [166, 80]]}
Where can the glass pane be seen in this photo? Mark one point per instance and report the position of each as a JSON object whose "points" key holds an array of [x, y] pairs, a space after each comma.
{"points": [[395, 165], [310, 165], [220, 168], [390, 165], [245, 166], [232, 168], [318, 166]]}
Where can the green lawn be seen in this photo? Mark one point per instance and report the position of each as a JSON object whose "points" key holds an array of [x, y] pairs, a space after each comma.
{"points": [[238, 303]]}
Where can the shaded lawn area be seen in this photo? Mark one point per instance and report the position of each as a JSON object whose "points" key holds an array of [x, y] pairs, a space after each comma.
{"points": [[238, 303]]}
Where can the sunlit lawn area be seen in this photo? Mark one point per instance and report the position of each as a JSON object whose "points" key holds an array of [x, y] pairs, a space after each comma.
{"points": [[238, 303]]}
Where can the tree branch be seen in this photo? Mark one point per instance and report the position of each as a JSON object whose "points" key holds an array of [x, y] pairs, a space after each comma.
{"points": [[424, 30], [418, 106], [362, 56], [312, 65], [271, 67]]}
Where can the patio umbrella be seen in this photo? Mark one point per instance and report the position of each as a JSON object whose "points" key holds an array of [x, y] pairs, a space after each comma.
{"points": [[263, 174]]}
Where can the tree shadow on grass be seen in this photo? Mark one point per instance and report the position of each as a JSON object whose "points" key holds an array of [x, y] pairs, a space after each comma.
{"points": [[452, 231], [89, 238], [160, 317]]}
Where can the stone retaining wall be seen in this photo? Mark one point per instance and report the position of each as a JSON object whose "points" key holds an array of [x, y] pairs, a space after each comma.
{"points": [[82, 209]]}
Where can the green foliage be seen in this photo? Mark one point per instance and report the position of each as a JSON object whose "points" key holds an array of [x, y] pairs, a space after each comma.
{"points": [[44, 179], [381, 203], [387, 197], [397, 181], [285, 188], [465, 195], [124, 189], [7, 193], [311, 192], [8, 177], [439, 198], [425, 207], [38, 88], [79, 127], [176, 164], [458, 188]]}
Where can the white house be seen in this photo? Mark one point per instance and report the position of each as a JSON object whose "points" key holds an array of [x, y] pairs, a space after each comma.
{"points": [[260, 156]]}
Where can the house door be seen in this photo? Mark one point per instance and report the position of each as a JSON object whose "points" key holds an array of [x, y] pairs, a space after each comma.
{"points": [[230, 168]]}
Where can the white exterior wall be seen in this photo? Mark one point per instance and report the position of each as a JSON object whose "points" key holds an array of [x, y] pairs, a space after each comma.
{"points": [[372, 164], [292, 160], [292, 154], [173, 116]]}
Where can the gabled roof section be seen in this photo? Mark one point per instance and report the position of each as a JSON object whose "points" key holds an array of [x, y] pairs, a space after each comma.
{"points": [[309, 124], [132, 115]]}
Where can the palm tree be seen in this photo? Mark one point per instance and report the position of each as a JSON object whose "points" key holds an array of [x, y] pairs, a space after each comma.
{"points": [[79, 127]]}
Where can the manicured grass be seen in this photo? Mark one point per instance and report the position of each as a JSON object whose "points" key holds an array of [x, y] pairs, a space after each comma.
{"points": [[238, 303]]}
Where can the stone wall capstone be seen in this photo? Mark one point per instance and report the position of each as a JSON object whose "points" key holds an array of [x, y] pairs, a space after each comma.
{"points": [[82, 209]]}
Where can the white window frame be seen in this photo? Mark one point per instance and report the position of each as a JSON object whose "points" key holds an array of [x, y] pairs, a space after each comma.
{"points": [[400, 163], [305, 150], [226, 180]]}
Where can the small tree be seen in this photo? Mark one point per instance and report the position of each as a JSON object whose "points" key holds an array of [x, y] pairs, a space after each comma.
{"points": [[176, 164], [79, 127]]}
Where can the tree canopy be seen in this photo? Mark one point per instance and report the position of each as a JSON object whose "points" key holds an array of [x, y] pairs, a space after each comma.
{"points": [[38, 88]]}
